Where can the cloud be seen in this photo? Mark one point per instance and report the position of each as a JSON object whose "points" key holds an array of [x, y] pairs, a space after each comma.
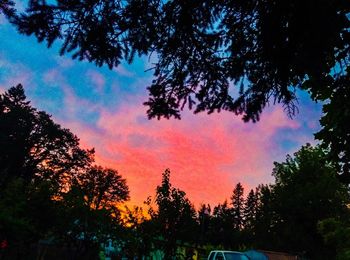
{"points": [[207, 155]]}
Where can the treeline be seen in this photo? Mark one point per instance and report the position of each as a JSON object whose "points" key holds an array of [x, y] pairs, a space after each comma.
{"points": [[304, 213], [52, 192]]}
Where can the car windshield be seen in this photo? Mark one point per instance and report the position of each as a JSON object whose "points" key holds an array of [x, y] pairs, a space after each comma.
{"points": [[235, 256]]}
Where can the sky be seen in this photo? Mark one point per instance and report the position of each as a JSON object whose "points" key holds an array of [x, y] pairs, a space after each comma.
{"points": [[207, 154]]}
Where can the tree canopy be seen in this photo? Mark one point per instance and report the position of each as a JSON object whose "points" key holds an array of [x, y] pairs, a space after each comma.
{"points": [[266, 48], [307, 192], [238, 56]]}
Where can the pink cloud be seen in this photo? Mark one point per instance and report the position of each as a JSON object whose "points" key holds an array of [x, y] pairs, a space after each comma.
{"points": [[207, 155]]}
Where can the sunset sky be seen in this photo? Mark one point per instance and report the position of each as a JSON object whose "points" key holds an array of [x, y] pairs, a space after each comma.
{"points": [[207, 154]]}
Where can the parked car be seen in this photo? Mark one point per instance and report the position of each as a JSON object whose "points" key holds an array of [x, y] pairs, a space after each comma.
{"points": [[227, 255]]}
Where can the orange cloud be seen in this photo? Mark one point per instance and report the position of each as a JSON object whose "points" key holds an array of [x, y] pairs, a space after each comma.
{"points": [[207, 155]]}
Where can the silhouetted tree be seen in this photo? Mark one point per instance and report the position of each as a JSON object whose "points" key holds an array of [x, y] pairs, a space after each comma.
{"points": [[237, 200], [103, 188], [140, 233], [272, 46], [306, 192], [249, 211], [175, 216], [222, 227], [265, 218], [204, 220], [32, 146], [335, 132], [37, 159], [89, 209]]}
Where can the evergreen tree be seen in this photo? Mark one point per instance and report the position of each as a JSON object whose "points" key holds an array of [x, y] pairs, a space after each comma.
{"points": [[222, 226], [250, 210], [265, 218], [237, 201], [204, 219], [266, 49]]}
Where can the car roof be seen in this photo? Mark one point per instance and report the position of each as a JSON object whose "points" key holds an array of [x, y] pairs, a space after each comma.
{"points": [[226, 251]]}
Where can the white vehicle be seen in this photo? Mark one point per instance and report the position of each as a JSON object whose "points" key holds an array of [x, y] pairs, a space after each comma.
{"points": [[227, 255]]}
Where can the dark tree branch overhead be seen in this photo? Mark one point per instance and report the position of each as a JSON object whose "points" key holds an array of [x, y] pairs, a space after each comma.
{"points": [[205, 49]]}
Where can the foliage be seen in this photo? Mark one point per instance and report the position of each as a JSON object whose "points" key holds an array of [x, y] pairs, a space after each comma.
{"points": [[102, 187], [7, 8], [264, 235], [237, 206], [335, 132], [140, 238], [204, 221], [336, 233], [50, 190], [289, 215], [306, 192], [249, 210], [273, 47]]}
